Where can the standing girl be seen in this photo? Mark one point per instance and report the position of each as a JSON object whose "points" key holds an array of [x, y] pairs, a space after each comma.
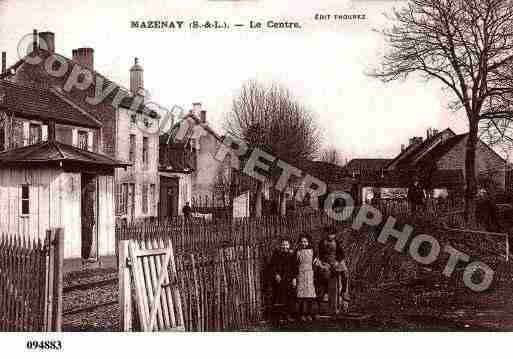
{"points": [[305, 288]]}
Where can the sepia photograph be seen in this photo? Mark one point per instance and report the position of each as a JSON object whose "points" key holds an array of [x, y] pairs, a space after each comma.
{"points": [[255, 167]]}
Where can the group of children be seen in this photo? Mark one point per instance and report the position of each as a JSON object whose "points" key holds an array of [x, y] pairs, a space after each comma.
{"points": [[306, 276]]}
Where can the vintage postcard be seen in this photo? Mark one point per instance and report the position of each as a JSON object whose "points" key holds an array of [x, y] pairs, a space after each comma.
{"points": [[255, 166]]}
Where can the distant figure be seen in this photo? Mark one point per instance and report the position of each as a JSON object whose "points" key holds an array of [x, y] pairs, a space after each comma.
{"points": [[186, 211], [416, 197], [487, 211], [281, 269]]}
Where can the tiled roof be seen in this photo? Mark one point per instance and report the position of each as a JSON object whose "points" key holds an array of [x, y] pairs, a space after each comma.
{"points": [[126, 102], [174, 130], [325, 171], [407, 158], [55, 152], [43, 103], [441, 149], [367, 163]]}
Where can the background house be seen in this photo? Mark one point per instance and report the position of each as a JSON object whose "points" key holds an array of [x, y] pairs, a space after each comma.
{"points": [[438, 162], [128, 128], [444, 151], [189, 171]]}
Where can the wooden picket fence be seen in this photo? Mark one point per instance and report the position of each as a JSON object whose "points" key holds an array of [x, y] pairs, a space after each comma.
{"points": [[220, 267], [434, 208], [31, 282]]}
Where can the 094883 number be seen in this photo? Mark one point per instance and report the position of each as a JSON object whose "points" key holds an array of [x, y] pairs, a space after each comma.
{"points": [[44, 344]]}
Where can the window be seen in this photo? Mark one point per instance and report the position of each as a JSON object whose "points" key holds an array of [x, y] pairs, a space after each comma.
{"points": [[122, 197], [153, 199], [133, 118], [131, 153], [2, 137], [82, 140], [35, 134], [145, 150], [145, 198], [64, 135], [25, 200]]}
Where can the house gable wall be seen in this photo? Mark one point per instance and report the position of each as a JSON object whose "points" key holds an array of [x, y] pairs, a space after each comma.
{"points": [[486, 161]]}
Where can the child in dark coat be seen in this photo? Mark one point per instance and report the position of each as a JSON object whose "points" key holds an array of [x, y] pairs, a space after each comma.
{"points": [[281, 269]]}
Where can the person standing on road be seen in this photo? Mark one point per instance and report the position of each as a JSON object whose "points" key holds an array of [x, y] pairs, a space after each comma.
{"points": [[186, 211], [416, 197]]}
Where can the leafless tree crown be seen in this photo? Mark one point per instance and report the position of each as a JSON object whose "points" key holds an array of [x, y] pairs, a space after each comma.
{"points": [[468, 46], [271, 118]]}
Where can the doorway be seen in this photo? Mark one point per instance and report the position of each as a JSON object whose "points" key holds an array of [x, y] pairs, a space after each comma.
{"points": [[169, 192], [89, 209]]}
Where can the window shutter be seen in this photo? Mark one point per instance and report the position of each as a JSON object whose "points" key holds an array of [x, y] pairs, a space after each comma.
{"points": [[26, 133], [74, 137], [44, 133], [90, 141]]}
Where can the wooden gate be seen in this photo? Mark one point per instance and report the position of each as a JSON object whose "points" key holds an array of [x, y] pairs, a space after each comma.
{"points": [[156, 290]]}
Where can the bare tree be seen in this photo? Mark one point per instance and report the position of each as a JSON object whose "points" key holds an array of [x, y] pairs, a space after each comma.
{"points": [[270, 118], [332, 155], [467, 45]]}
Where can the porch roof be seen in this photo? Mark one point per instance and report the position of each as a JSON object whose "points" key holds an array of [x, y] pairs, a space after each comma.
{"points": [[51, 153]]}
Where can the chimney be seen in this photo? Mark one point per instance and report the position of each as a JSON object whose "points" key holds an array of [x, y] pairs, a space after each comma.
{"points": [[4, 62], [403, 147], [434, 132], [428, 133], [47, 41], [51, 131], [34, 40], [196, 109], [203, 116], [415, 140], [85, 57], [136, 78]]}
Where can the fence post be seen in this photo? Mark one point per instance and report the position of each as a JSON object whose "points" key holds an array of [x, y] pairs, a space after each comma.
{"points": [[507, 247], [125, 294], [58, 262], [50, 266]]}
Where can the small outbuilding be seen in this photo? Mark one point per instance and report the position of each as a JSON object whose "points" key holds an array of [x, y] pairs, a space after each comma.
{"points": [[52, 184]]}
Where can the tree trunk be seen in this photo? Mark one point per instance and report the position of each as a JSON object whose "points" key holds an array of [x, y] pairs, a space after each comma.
{"points": [[470, 173], [258, 200]]}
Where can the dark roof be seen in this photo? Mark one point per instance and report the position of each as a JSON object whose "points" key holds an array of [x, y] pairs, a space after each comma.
{"points": [[48, 153], [368, 163], [126, 102], [416, 156], [175, 158], [325, 171], [43, 103], [406, 158], [443, 148], [173, 131]]}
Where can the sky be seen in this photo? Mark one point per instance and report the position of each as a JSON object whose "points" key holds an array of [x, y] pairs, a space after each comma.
{"points": [[324, 63]]}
